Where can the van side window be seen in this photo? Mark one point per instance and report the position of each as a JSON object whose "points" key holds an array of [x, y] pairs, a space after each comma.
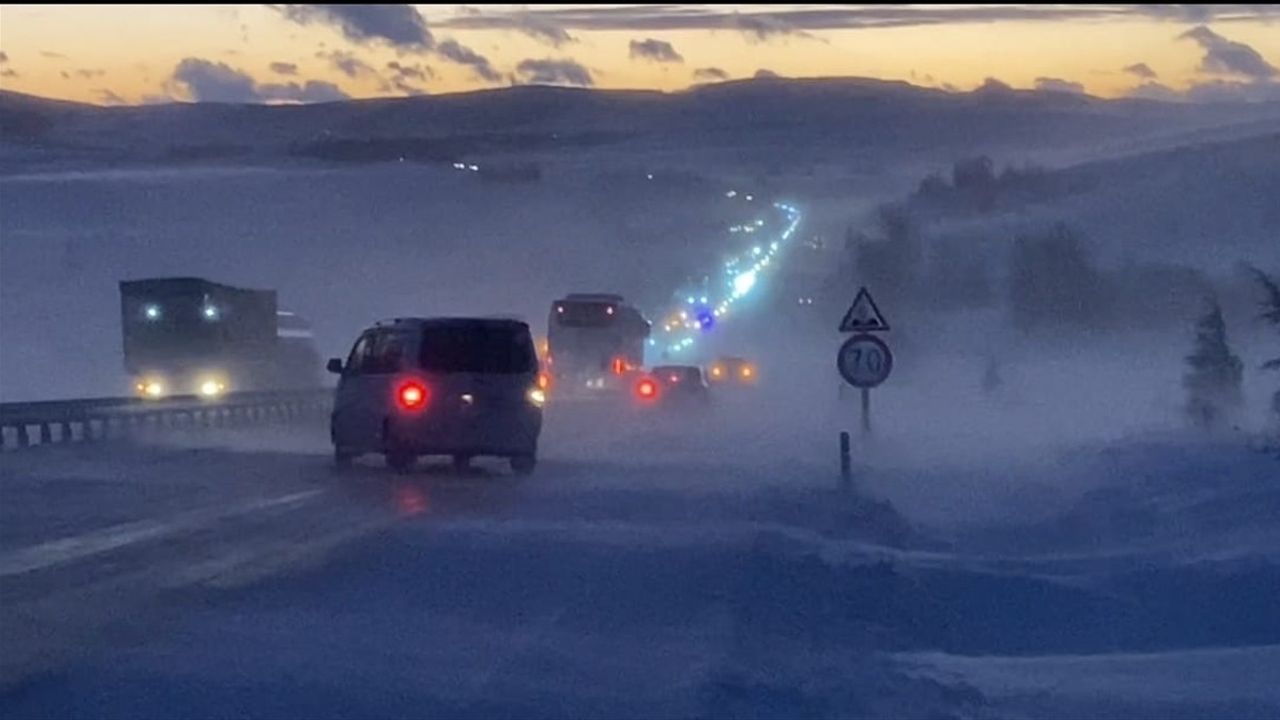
{"points": [[359, 357], [387, 353]]}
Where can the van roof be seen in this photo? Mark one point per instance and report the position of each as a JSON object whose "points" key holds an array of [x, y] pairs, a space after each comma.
{"points": [[452, 321]]}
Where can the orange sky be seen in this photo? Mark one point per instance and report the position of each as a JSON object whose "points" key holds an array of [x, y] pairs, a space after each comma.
{"points": [[129, 53]]}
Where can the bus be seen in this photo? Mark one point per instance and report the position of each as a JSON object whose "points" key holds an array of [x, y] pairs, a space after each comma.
{"points": [[191, 336], [593, 337]]}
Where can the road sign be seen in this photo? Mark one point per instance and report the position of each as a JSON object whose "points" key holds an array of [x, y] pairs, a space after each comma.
{"points": [[864, 361], [863, 315]]}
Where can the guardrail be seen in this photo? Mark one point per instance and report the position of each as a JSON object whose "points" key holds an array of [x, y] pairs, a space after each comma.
{"points": [[26, 424]]}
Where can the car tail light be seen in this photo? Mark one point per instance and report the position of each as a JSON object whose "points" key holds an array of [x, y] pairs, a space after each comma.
{"points": [[412, 396], [544, 381], [619, 366], [647, 389]]}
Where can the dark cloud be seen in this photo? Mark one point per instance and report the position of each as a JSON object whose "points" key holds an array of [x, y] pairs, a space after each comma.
{"points": [[554, 72], [541, 29], [413, 72], [1227, 57], [347, 63], [1141, 70], [458, 53], [312, 91], [710, 74], [1156, 91], [1217, 91], [89, 73], [765, 73], [52, 55], [763, 28], [800, 18], [1049, 84], [205, 81], [408, 88], [284, 68], [109, 98], [8, 72], [993, 86], [398, 25], [655, 50], [65, 75]]}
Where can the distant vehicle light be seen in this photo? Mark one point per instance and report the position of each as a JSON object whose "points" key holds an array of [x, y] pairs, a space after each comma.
{"points": [[537, 397], [703, 299], [210, 312], [747, 371], [649, 176], [211, 388], [560, 309], [717, 371], [412, 396], [151, 388], [608, 310], [152, 312]]}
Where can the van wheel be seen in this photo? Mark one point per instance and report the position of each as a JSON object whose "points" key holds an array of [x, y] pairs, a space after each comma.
{"points": [[400, 461], [523, 464]]}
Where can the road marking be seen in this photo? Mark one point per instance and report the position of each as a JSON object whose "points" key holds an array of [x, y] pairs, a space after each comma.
{"points": [[64, 550]]}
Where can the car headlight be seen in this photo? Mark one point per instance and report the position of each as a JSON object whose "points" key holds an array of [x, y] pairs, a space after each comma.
{"points": [[537, 396]]}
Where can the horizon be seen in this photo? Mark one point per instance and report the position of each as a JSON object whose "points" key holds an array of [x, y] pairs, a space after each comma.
{"points": [[126, 55]]}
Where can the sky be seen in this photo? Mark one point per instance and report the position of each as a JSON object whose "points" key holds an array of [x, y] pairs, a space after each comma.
{"points": [[132, 54]]}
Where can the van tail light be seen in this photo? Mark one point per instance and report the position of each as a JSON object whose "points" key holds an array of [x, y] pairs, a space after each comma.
{"points": [[544, 381], [412, 395], [647, 389]]}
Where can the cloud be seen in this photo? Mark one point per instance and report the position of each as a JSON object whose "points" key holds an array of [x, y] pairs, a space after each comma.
{"points": [[765, 73], [763, 28], [541, 29], [1058, 85], [479, 64], [53, 55], [710, 74], [554, 72], [347, 63], [1215, 91], [8, 72], [408, 88], [656, 50], [284, 68], [993, 86], [88, 73], [1227, 57], [1156, 91], [156, 99], [110, 98], [4, 57], [206, 81], [657, 17], [313, 91], [1141, 70], [415, 71], [399, 25]]}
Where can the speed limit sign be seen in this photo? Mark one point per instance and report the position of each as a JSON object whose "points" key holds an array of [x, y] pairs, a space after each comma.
{"points": [[864, 361]]}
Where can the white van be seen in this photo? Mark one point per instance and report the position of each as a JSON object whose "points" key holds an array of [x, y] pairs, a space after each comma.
{"points": [[439, 386]]}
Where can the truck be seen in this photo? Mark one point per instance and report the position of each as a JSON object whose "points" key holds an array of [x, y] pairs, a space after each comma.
{"points": [[593, 339], [192, 336]]}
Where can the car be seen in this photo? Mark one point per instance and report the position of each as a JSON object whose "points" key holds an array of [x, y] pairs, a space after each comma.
{"points": [[733, 370], [673, 386], [461, 387]]}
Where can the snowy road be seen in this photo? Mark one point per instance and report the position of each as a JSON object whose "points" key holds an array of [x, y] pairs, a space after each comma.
{"points": [[237, 575]]}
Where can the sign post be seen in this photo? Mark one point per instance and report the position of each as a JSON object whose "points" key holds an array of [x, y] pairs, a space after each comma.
{"points": [[864, 360]]}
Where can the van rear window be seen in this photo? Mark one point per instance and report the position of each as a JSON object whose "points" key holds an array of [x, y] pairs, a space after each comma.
{"points": [[496, 349]]}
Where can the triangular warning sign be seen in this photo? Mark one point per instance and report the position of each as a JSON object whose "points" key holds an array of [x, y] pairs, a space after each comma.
{"points": [[863, 315]]}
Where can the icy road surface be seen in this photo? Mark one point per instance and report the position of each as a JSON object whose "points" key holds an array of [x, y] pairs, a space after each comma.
{"points": [[646, 570]]}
